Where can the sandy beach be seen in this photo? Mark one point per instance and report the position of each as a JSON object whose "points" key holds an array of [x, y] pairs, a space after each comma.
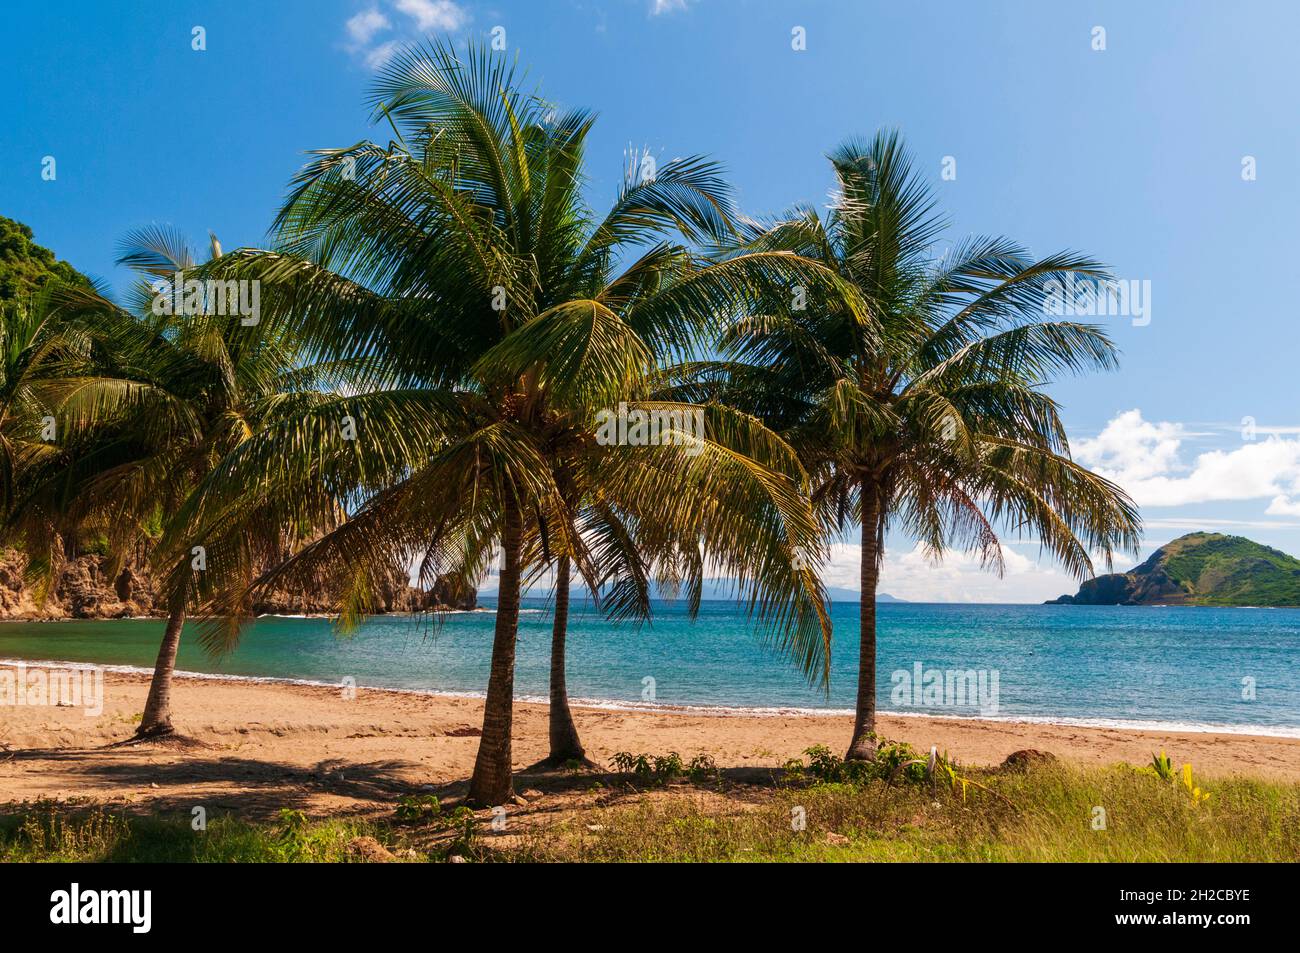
{"points": [[264, 746]]}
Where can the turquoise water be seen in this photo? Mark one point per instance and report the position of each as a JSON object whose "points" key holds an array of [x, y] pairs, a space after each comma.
{"points": [[1108, 665]]}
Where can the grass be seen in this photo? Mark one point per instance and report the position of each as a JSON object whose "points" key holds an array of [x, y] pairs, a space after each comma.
{"points": [[50, 832], [1046, 813]]}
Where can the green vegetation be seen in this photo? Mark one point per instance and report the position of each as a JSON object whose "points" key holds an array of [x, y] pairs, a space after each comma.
{"points": [[1046, 813], [149, 404], [1232, 571], [502, 319], [440, 334], [931, 417], [26, 267], [93, 834]]}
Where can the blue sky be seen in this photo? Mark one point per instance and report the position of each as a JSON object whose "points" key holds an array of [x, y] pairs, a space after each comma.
{"points": [[1133, 153]]}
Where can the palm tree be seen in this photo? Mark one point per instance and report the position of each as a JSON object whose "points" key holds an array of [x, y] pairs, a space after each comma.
{"points": [[177, 393], [931, 418], [623, 555], [502, 317], [37, 350], [25, 342], [58, 383]]}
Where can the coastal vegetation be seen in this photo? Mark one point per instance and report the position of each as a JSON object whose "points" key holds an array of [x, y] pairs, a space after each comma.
{"points": [[1043, 812], [500, 317], [437, 337], [930, 418], [150, 403], [26, 267]]}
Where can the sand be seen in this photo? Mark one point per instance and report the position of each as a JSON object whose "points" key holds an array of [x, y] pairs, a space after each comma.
{"points": [[265, 746]]}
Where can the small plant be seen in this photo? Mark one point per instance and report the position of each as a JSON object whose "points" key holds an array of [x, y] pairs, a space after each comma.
{"points": [[627, 763], [1162, 766], [668, 767], [463, 822], [1198, 796], [291, 835], [702, 767], [824, 764], [829, 768], [955, 781], [50, 830], [897, 760], [660, 768], [291, 820], [415, 808]]}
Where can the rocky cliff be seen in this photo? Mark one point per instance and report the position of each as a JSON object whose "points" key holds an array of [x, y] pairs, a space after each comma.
{"points": [[85, 590]]}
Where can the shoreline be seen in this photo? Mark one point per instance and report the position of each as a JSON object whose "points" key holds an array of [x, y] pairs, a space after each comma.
{"points": [[703, 710]]}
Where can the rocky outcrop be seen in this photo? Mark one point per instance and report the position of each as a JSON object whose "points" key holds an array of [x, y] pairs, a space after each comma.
{"points": [[85, 589], [451, 595], [1146, 585]]}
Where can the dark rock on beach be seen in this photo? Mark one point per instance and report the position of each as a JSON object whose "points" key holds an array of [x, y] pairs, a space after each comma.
{"points": [[1027, 758]]}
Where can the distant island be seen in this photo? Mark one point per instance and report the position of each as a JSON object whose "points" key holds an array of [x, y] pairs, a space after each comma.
{"points": [[1199, 569], [852, 595]]}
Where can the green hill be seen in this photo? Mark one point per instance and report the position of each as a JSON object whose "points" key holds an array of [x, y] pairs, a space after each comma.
{"points": [[1200, 569], [26, 266]]}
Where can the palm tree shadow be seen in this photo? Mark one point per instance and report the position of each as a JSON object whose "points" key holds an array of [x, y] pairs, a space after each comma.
{"points": [[262, 788]]}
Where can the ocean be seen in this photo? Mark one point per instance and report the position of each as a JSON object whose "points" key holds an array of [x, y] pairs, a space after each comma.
{"points": [[1175, 667]]}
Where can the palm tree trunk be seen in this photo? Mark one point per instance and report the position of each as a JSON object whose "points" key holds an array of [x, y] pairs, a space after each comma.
{"points": [[863, 745], [565, 745], [491, 782], [157, 718]]}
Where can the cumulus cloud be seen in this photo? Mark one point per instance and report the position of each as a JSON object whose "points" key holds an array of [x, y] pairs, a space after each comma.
{"points": [[1283, 506], [434, 14], [908, 574], [373, 35], [1145, 458], [363, 27], [381, 54], [658, 7], [1132, 447]]}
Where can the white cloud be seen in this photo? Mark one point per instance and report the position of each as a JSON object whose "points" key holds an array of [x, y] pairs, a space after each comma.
{"points": [[381, 54], [433, 14], [363, 27], [1208, 522], [419, 17], [1131, 447], [958, 577], [658, 7], [1283, 506], [1144, 458]]}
